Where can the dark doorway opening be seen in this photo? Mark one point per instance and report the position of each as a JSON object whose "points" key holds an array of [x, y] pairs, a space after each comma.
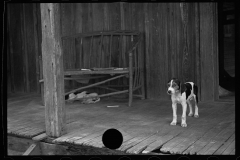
{"points": [[227, 30]]}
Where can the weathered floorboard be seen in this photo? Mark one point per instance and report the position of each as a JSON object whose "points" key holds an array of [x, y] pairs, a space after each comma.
{"points": [[145, 126], [221, 149]]}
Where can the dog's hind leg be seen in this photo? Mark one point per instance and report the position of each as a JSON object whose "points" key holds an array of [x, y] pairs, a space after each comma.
{"points": [[196, 115], [190, 109]]}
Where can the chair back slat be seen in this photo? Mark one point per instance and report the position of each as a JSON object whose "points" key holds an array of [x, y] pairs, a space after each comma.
{"points": [[99, 49]]}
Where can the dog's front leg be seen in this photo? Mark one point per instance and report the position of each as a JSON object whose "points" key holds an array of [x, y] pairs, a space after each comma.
{"points": [[184, 109], [174, 107]]}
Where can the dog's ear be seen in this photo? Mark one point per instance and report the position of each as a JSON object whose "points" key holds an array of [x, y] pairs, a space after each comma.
{"points": [[177, 81], [182, 88]]}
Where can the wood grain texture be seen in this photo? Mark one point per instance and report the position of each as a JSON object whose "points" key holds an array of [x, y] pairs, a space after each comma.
{"points": [[207, 51], [178, 42], [144, 129], [55, 113], [15, 38], [25, 48], [222, 148]]}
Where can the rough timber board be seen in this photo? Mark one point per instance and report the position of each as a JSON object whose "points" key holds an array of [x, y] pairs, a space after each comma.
{"points": [[79, 133], [102, 113], [89, 137], [223, 135], [19, 96], [221, 149], [18, 144], [22, 128], [145, 118], [217, 124], [205, 142], [86, 135], [131, 143], [232, 152], [230, 149], [169, 145], [180, 143], [12, 101], [217, 144], [159, 142], [143, 144], [33, 131], [183, 145], [96, 142], [14, 153], [164, 135], [40, 137], [177, 139]]}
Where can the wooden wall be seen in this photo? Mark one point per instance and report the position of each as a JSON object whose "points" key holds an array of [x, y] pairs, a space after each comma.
{"points": [[180, 40], [24, 47]]}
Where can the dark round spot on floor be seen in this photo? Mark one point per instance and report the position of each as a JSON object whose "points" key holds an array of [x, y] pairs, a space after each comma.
{"points": [[112, 138]]}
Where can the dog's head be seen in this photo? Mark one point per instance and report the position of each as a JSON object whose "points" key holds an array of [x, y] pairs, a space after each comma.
{"points": [[174, 85]]}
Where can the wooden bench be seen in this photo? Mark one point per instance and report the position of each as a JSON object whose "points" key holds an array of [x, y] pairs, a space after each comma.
{"points": [[105, 56]]}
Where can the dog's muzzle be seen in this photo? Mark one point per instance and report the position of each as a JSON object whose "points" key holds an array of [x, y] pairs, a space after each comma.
{"points": [[169, 92]]}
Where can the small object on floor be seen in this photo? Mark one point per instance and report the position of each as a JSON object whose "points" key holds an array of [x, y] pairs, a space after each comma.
{"points": [[113, 106], [112, 138], [83, 69], [90, 97], [72, 96], [82, 94], [95, 99], [92, 100], [120, 69]]}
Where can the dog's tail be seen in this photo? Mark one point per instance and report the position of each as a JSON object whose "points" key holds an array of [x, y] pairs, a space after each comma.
{"points": [[195, 91]]}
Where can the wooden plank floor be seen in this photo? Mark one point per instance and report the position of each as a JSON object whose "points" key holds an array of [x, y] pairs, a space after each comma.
{"points": [[144, 126]]}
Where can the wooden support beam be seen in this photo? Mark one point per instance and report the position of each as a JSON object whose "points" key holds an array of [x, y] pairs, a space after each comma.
{"points": [[40, 137], [95, 84], [32, 150], [55, 113]]}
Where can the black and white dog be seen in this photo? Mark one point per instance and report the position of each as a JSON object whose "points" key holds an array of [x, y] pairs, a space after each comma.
{"points": [[182, 93]]}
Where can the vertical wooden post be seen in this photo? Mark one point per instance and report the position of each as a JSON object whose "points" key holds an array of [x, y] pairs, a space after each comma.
{"points": [[208, 52], [130, 79], [55, 114]]}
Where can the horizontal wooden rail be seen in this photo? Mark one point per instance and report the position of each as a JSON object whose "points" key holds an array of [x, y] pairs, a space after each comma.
{"points": [[99, 96], [106, 33], [95, 84]]}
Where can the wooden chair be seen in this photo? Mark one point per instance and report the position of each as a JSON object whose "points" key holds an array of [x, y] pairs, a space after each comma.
{"points": [[103, 57]]}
